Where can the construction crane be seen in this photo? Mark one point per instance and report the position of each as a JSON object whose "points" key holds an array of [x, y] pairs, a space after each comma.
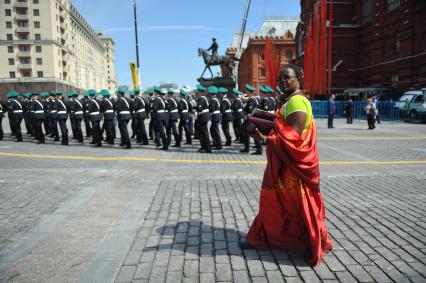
{"points": [[243, 30]]}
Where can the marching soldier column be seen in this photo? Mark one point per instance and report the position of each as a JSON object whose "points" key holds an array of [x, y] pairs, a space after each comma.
{"points": [[170, 118]]}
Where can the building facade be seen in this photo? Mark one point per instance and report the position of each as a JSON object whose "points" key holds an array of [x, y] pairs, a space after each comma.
{"points": [[46, 45], [280, 31], [375, 43]]}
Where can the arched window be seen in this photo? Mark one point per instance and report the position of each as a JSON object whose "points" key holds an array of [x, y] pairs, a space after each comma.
{"points": [[288, 54]]}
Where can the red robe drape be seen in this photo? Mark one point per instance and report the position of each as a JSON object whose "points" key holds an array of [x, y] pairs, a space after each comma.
{"points": [[291, 211]]}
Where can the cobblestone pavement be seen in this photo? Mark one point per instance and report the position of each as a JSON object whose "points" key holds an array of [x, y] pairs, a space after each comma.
{"points": [[143, 215]]}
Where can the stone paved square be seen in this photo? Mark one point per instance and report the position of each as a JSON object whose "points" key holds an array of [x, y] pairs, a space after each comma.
{"points": [[82, 214]]}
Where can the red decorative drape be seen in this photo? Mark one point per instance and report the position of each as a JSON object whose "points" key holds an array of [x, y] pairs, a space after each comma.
{"points": [[318, 50], [272, 65]]}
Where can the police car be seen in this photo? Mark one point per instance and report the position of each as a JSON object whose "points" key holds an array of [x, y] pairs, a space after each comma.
{"points": [[417, 99]]}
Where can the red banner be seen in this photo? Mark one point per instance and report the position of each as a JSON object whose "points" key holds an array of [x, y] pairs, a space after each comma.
{"points": [[318, 50], [271, 63]]}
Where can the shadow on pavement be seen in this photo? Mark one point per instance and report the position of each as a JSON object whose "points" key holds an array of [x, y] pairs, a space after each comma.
{"points": [[201, 239]]}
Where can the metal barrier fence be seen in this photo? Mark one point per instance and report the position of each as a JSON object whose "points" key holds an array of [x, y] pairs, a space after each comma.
{"points": [[387, 110]]}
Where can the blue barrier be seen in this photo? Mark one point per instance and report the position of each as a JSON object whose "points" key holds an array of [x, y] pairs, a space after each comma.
{"points": [[387, 109]]}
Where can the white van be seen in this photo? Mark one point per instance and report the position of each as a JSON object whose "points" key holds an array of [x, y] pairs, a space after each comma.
{"points": [[417, 100]]}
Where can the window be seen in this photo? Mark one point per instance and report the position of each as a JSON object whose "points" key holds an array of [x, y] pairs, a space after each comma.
{"points": [[11, 61], [392, 5], [36, 12], [8, 24], [23, 36], [419, 98], [6, 1], [389, 44], [39, 61], [25, 60], [367, 11], [26, 74], [39, 74], [8, 12], [263, 72], [391, 80], [36, 24], [35, 1], [9, 37], [10, 49], [37, 36], [24, 48], [12, 75], [38, 49]]}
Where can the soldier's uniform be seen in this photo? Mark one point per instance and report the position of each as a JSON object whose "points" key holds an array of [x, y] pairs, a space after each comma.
{"points": [[161, 117], [200, 88], [87, 125], [17, 114], [216, 117], [10, 113], [151, 98], [225, 109], [62, 116], [251, 105], [184, 109], [141, 109], [133, 114], [272, 102], [39, 116], [124, 115], [264, 99], [172, 107], [203, 118], [26, 107], [43, 99], [1, 120], [237, 114], [76, 108], [53, 116], [95, 118], [107, 109]]}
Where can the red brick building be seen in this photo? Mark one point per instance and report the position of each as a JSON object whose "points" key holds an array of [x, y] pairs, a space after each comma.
{"points": [[251, 69], [376, 43]]}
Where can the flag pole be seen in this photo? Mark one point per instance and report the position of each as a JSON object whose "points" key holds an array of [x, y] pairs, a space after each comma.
{"points": [[137, 42]]}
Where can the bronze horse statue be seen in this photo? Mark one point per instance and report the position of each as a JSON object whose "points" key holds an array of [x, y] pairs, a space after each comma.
{"points": [[215, 60]]}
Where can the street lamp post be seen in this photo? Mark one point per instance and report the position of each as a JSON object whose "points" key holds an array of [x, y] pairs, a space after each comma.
{"points": [[137, 42]]}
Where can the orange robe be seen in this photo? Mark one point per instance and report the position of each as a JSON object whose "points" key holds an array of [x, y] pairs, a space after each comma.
{"points": [[291, 211]]}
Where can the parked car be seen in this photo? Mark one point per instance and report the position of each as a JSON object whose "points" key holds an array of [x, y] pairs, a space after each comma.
{"points": [[417, 99]]}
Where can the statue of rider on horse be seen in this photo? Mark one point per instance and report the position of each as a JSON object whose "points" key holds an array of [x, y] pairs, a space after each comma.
{"points": [[214, 59]]}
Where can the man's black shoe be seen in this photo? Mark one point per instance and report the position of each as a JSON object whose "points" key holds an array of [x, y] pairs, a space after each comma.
{"points": [[256, 153], [244, 150]]}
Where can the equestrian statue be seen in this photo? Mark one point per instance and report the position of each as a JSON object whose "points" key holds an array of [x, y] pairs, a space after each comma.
{"points": [[214, 59]]}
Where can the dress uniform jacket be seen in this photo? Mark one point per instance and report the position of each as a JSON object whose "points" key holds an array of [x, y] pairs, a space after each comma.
{"points": [[272, 104], [78, 109], [159, 109], [123, 108], [94, 110], [15, 108], [184, 109], [52, 109], [62, 113], [264, 103], [203, 112], [214, 108], [237, 108], [173, 109], [225, 108], [251, 105], [107, 108], [38, 110], [141, 107]]}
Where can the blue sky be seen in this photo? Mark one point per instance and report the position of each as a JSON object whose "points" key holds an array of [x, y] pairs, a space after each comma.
{"points": [[170, 32]]}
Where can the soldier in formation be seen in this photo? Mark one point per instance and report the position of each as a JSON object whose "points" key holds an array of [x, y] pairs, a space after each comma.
{"points": [[170, 118]]}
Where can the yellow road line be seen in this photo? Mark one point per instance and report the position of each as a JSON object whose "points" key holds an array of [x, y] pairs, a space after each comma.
{"points": [[93, 158], [370, 138]]}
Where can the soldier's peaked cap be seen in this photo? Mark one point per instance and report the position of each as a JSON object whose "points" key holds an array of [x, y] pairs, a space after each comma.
{"points": [[249, 87], [213, 89]]}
